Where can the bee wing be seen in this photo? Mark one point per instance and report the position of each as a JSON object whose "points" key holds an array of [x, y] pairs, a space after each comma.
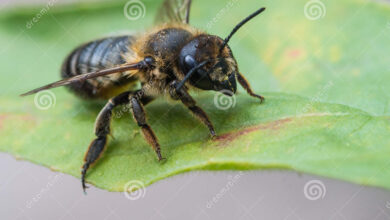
{"points": [[174, 11], [82, 77]]}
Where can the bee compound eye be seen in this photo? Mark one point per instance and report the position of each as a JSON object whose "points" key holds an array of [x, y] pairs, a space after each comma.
{"points": [[189, 62]]}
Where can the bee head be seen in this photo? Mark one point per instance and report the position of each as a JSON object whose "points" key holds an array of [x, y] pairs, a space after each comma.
{"points": [[208, 63], [220, 69]]}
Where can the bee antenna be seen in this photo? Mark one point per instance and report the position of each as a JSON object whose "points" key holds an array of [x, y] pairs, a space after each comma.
{"points": [[238, 26]]}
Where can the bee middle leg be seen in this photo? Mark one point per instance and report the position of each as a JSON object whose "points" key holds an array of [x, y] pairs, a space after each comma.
{"points": [[188, 101], [244, 83], [137, 102]]}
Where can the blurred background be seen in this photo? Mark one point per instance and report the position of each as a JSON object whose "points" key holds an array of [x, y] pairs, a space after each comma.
{"points": [[325, 53]]}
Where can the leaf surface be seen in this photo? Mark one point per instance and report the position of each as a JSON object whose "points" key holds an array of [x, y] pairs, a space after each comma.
{"points": [[326, 84]]}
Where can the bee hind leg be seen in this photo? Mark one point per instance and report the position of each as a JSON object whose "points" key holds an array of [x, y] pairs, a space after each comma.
{"points": [[102, 129], [244, 83]]}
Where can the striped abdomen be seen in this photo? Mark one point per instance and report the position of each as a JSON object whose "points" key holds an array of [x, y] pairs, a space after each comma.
{"points": [[94, 56]]}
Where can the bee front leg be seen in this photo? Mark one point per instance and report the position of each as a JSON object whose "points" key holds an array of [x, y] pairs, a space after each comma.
{"points": [[102, 129], [188, 101], [244, 83]]}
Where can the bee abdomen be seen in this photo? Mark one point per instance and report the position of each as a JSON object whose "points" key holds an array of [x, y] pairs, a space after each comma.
{"points": [[93, 56]]}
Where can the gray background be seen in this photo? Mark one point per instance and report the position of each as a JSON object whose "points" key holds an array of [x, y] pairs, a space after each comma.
{"points": [[29, 191], [268, 194]]}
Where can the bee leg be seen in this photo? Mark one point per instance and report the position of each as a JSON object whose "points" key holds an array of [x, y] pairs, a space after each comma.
{"points": [[202, 116], [188, 101], [139, 116], [102, 129], [244, 83]]}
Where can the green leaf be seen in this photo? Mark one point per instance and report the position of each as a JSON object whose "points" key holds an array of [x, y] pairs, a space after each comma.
{"points": [[325, 81]]}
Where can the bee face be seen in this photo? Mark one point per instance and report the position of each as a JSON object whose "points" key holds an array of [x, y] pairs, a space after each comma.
{"points": [[219, 73]]}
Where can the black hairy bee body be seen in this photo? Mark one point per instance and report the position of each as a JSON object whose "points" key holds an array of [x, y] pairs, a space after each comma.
{"points": [[166, 43], [94, 56], [169, 61], [163, 45]]}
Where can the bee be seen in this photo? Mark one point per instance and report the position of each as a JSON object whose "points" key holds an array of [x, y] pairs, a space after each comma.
{"points": [[168, 61]]}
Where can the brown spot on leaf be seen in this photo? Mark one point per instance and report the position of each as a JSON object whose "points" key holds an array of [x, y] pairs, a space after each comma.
{"points": [[26, 118], [228, 137]]}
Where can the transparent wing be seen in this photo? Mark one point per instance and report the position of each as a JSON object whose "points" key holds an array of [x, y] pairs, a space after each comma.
{"points": [[82, 77], [174, 11]]}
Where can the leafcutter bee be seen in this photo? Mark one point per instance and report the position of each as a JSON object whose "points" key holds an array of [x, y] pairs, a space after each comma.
{"points": [[168, 60]]}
